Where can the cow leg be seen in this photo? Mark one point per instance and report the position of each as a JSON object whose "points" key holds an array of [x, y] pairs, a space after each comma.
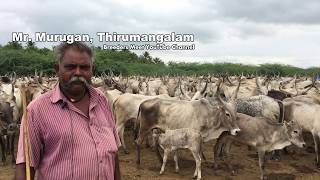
{"points": [[138, 143], [148, 139], [261, 163], [7, 141], [216, 153], [165, 157], [2, 144], [199, 167], [226, 155], [316, 148], [218, 148], [136, 130], [120, 130], [157, 148], [175, 157], [197, 158], [138, 150], [13, 160]]}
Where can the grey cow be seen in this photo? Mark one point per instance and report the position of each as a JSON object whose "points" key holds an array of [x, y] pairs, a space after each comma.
{"points": [[264, 136], [184, 138], [209, 117], [6, 121], [260, 106]]}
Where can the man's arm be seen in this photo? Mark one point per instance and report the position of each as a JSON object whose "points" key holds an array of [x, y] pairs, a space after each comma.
{"points": [[117, 175], [21, 172]]}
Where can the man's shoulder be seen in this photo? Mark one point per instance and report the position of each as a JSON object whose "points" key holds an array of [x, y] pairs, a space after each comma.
{"points": [[100, 94], [40, 101]]}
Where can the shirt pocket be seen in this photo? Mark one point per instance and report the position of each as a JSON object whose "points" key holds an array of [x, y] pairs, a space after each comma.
{"points": [[108, 139]]}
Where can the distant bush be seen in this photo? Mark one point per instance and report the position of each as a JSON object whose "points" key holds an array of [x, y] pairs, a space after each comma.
{"points": [[25, 60]]}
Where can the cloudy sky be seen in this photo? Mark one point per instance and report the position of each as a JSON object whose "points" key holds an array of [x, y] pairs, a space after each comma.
{"points": [[240, 31]]}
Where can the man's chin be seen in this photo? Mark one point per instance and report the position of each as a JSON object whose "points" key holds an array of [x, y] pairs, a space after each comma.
{"points": [[77, 88]]}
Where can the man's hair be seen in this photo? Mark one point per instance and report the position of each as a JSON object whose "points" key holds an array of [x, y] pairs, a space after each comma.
{"points": [[79, 46]]}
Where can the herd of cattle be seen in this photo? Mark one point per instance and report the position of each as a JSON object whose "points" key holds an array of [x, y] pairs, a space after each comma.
{"points": [[266, 113]]}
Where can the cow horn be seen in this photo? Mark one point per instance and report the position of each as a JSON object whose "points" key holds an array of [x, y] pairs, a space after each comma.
{"points": [[229, 81], [181, 90], [180, 86], [235, 94], [218, 97], [205, 88]]}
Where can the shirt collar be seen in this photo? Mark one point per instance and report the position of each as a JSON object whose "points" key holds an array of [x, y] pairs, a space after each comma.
{"points": [[57, 95]]}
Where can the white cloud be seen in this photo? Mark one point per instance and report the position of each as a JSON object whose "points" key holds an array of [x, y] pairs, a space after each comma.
{"points": [[244, 31]]}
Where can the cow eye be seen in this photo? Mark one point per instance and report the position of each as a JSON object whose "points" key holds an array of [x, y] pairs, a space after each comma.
{"points": [[296, 132], [228, 114]]}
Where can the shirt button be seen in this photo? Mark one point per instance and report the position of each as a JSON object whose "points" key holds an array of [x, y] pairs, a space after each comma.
{"points": [[91, 124], [100, 161]]}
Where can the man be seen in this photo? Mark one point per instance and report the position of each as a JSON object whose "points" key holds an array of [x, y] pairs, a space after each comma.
{"points": [[71, 129]]}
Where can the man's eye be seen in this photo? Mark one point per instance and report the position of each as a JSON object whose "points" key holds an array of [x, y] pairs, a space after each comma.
{"points": [[85, 67], [70, 66]]}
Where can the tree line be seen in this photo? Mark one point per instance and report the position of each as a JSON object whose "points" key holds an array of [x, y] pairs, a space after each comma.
{"points": [[24, 60]]}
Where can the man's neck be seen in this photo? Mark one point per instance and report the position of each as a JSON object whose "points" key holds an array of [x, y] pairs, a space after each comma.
{"points": [[74, 97]]}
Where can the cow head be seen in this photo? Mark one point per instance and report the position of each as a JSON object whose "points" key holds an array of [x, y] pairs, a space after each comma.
{"points": [[229, 111], [156, 133], [294, 132]]}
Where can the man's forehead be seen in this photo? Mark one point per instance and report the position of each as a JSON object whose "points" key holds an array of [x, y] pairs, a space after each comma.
{"points": [[76, 56]]}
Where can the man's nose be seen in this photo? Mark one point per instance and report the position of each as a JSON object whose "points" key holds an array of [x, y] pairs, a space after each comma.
{"points": [[78, 71]]}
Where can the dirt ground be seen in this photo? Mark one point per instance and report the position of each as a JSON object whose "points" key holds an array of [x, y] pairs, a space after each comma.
{"points": [[298, 165]]}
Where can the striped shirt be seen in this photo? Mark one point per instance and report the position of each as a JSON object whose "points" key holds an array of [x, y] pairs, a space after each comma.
{"points": [[65, 143]]}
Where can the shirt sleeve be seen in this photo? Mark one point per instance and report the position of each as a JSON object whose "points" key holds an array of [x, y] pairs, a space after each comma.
{"points": [[35, 145], [20, 153]]}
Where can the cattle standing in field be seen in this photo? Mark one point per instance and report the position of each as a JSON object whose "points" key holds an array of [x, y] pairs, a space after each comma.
{"points": [[125, 108], [9, 117], [264, 136], [172, 140], [6, 128], [260, 106], [304, 111], [208, 116]]}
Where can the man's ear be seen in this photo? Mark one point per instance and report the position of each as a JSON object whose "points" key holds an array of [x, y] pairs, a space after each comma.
{"points": [[56, 67]]}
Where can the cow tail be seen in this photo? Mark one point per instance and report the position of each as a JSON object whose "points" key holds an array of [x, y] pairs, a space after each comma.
{"points": [[281, 116], [114, 111], [136, 124]]}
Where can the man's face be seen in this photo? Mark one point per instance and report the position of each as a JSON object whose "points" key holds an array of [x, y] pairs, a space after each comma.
{"points": [[74, 71]]}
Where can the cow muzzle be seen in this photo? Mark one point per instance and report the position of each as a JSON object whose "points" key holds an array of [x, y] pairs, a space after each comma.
{"points": [[234, 132]]}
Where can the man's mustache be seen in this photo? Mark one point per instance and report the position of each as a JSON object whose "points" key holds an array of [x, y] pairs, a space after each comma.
{"points": [[77, 80]]}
